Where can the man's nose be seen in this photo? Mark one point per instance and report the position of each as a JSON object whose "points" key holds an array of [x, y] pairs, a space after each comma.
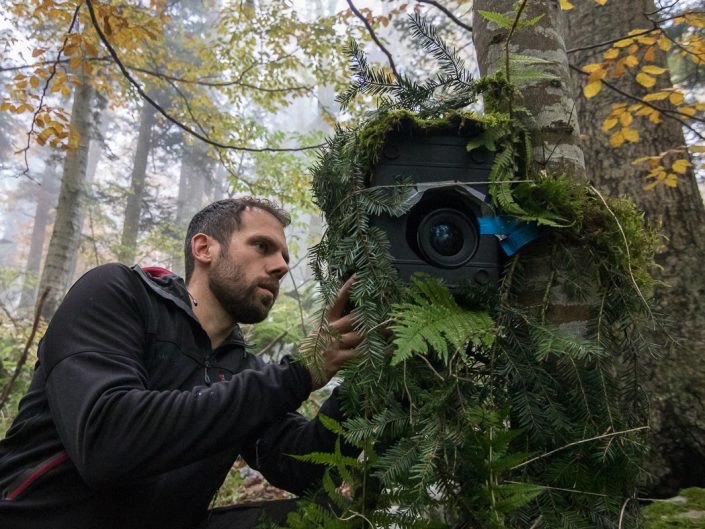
{"points": [[279, 266]]}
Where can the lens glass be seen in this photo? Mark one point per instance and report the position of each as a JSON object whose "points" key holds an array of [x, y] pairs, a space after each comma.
{"points": [[446, 238]]}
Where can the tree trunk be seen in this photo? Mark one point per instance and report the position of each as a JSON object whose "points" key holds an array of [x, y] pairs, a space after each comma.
{"points": [[95, 152], [554, 129], [46, 197], [196, 168], [130, 230], [550, 102], [67, 230], [675, 380]]}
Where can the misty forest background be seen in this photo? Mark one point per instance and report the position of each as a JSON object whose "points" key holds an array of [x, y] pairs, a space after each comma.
{"points": [[110, 142]]}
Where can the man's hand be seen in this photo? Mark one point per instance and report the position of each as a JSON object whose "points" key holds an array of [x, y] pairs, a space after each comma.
{"points": [[342, 339]]}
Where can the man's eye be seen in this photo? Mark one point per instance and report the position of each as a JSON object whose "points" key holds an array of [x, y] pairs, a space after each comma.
{"points": [[261, 246]]}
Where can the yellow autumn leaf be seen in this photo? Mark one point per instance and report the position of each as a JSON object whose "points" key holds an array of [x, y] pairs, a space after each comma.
{"points": [[681, 165], [74, 139], [44, 135], [616, 139], [601, 2], [700, 107], [664, 43], [608, 124], [90, 48], [630, 134], [626, 119], [593, 67], [676, 98], [687, 110], [671, 180], [75, 62], [631, 61], [643, 159], [610, 54], [34, 81], [695, 19], [623, 43], [566, 5], [36, 52], [657, 96], [697, 148], [650, 54], [655, 117], [650, 185], [653, 70], [592, 89], [645, 80]]}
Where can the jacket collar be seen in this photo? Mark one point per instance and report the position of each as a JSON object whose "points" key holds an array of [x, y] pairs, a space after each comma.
{"points": [[171, 287]]}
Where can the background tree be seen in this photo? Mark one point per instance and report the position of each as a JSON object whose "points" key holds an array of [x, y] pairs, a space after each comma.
{"points": [[675, 378]]}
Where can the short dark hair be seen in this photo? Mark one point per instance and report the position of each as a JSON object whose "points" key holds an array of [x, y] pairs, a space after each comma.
{"points": [[222, 218]]}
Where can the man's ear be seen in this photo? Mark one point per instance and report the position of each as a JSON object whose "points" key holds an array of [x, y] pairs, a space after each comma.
{"points": [[204, 248]]}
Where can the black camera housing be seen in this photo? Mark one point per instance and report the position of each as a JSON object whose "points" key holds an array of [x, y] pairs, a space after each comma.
{"points": [[439, 235]]}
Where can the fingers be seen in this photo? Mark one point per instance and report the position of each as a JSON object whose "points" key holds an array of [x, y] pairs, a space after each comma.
{"points": [[349, 340], [336, 311]]}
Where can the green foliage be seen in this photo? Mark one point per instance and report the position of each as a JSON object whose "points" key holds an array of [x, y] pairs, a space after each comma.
{"points": [[481, 411], [686, 511], [433, 321]]}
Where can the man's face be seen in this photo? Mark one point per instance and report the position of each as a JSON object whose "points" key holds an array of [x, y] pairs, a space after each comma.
{"points": [[244, 278]]}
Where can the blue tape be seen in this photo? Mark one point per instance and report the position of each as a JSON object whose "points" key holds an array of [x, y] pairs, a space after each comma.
{"points": [[501, 225], [512, 232], [519, 238]]}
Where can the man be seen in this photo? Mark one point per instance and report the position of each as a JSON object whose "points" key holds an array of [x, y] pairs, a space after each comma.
{"points": [[144, 393]]}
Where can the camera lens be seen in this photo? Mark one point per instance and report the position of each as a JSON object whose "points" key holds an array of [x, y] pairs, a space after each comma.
{"points": [[447, 237]]}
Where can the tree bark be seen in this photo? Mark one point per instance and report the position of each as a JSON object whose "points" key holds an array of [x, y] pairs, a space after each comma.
{"points": [[67, 230], [130, 229], [555, 132], [675, 380], [550, 102]]}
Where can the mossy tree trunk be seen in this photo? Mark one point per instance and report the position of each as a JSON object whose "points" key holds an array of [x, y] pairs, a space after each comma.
{"points": [[554, 127], [675, 380]]}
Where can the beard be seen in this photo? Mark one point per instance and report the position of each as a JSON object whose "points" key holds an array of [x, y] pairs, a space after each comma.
{"points": [[242, 302]]}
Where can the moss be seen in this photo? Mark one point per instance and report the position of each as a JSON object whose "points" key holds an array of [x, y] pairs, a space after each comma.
{"points": [[675, 514], [372, 136]]}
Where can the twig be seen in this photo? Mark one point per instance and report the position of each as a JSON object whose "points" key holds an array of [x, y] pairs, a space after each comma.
{"points": [[522, 6], [447, 13], [612, 41], [52, 73], [575, 443], [621, 513], [169, 77], [168, 116], [668, 113], [371, 31], [25, 353], [537, 522], [629, 257], [298, 302]]}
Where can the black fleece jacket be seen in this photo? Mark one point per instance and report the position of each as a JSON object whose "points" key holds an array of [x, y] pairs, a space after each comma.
{"points": [[133, 421]]}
